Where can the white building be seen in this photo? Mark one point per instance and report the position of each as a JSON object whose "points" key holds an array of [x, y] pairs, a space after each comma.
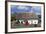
{"points": [[32, 18]]}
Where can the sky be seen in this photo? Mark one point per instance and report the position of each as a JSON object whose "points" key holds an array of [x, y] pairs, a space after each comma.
{"points": [[22, 8]]}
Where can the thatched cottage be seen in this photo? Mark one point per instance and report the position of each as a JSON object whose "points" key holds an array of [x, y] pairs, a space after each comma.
{"points": [[32, 18]]}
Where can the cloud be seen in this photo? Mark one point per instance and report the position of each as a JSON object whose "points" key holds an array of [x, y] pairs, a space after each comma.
{"points": [[22, 7], [37, 9]]}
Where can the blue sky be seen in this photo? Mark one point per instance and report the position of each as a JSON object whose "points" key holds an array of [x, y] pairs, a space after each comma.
{"points": [[22, 8]]}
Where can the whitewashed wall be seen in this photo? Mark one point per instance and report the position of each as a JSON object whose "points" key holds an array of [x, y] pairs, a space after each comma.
{"points": [[30, 21]]}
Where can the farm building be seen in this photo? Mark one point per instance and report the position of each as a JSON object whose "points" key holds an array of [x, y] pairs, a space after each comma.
{"points": [[32, 18]]}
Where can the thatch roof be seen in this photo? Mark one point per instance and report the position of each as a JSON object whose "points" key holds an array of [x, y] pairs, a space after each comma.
{"points": [[26, 16]]}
